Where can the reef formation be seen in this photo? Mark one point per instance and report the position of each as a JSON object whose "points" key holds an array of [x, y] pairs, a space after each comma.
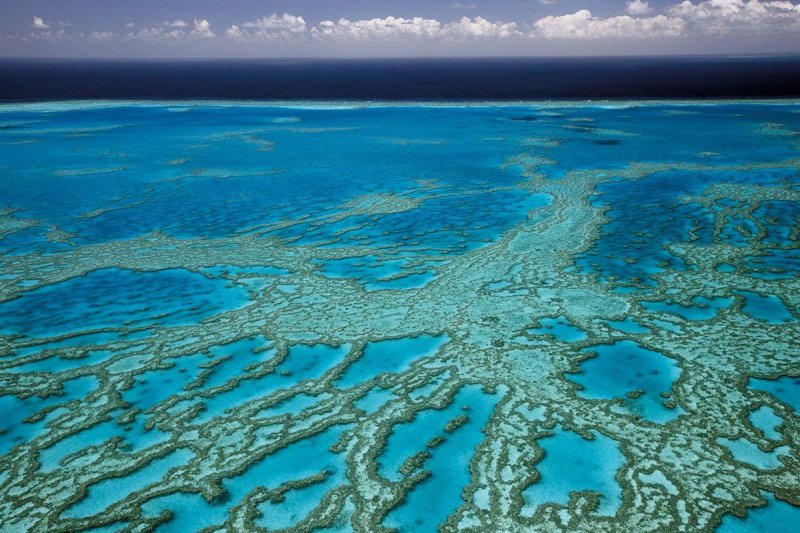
{"points": [[371, 317]]}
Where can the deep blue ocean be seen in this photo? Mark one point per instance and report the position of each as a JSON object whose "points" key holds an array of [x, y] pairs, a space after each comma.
{"points": [[403, 79]]}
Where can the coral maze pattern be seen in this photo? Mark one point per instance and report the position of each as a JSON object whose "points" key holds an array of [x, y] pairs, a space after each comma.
{"points": [[413, 317]]}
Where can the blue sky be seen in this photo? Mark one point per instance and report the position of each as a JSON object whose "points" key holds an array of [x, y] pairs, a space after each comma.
{"points": [[369, 28]]}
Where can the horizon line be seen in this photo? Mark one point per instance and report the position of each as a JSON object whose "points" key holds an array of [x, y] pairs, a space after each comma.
{"points": [[403, 57]]}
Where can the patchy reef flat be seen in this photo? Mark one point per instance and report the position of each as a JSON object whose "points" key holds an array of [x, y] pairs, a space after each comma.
{"points": [[343, 317]]}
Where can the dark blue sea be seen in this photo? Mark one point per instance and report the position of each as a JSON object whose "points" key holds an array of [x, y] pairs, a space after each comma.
{"points": [[401, 79]]}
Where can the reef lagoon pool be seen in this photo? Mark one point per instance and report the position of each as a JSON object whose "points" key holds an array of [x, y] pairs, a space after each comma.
{"points": [[363, 317]]}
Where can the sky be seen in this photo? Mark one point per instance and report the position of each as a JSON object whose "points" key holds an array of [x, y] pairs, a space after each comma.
{"points": [[394, 28]]}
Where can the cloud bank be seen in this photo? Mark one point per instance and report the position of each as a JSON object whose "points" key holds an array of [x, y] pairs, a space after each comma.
{"points": [[582, 25], [727, 16], [638, 21], [417, 27], [271, 27]]}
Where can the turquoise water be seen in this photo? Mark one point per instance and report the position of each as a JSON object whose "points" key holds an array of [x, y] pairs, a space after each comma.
{"points": [[17, 426], [106, 492], [786, 389], [575, 464], [768, 308], [747, 452], [438, 495], [700, 309], [635, 375], [775, 517], [560, 328], [628, 326], [348, 316], [389, 356], [114, 297], [301, 363], [374, 399], [767, 421]]}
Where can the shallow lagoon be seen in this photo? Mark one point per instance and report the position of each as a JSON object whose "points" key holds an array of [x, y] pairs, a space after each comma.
{"points": [[347, 317], [635, 375], [574, 464]]}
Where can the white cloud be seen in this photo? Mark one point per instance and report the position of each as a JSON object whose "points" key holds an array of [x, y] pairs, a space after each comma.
{"points": [[270, 27], [202, 29], [40, 24], [386, 28], [48, 35], [99, 36], [155, 33], [164, 31], [637, 8], [639, 21], [481, 28], [726, 16], [174, 31], [390, 28], [285, 22], [235, 32], [582, 25]]}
